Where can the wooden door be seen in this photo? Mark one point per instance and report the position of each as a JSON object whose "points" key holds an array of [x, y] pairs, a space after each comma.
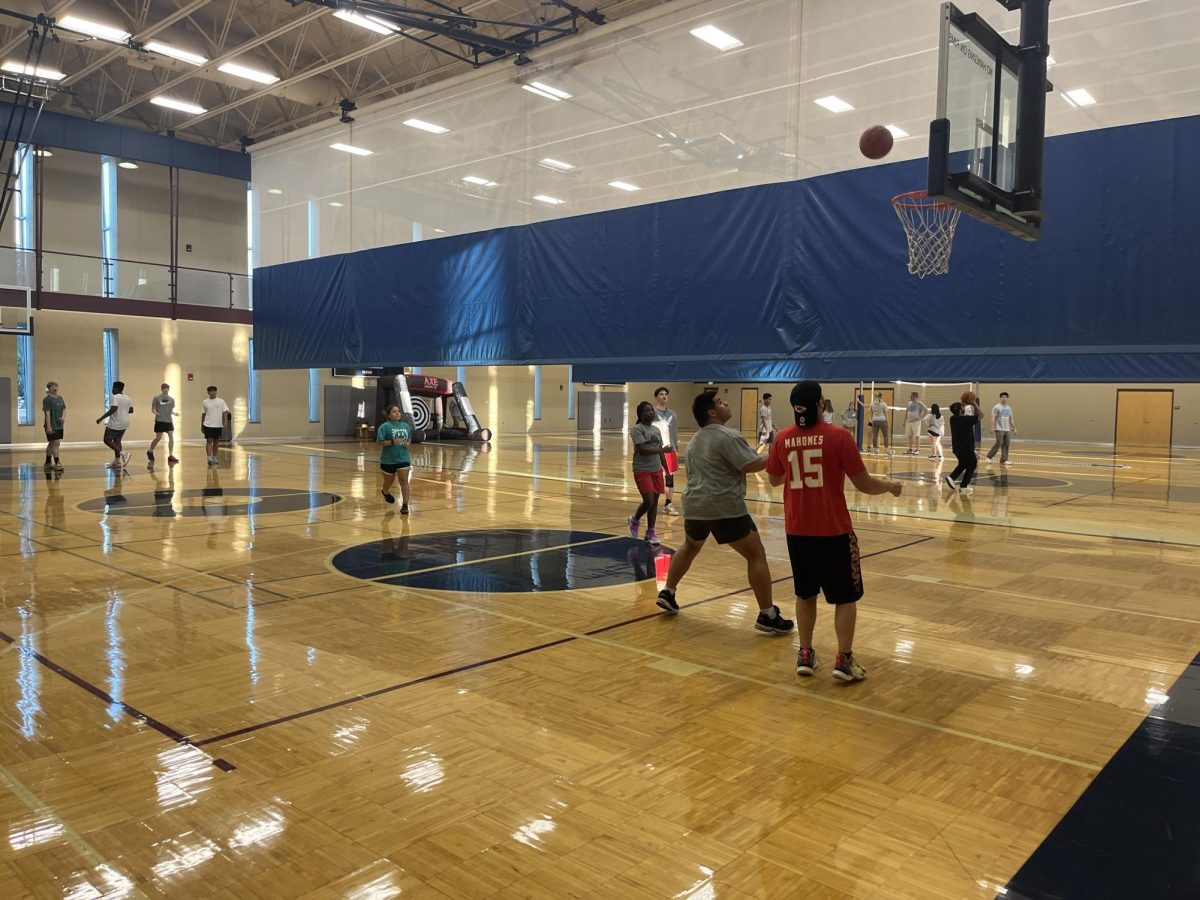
{"points": [[1144, 418], [749, 425]]}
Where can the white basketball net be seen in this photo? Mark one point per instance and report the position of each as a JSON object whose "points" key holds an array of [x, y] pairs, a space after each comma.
{"points": [[929, 225]]}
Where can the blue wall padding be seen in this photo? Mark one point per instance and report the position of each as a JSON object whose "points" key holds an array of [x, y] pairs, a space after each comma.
{"points": [[799, 279]]}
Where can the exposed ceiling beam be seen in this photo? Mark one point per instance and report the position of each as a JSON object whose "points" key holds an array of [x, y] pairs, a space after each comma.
{"points": [[22, 35], [223, 58], [148, 33]]}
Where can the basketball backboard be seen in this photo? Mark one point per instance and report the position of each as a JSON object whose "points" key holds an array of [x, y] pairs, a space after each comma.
{"points": [[986, 144], [16, 309]]}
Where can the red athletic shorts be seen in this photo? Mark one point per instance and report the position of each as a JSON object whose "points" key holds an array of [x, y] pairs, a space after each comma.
{"points": [[650, 482]]}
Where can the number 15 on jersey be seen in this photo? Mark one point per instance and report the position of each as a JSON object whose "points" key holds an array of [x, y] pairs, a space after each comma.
{"points": [[807, 470]]}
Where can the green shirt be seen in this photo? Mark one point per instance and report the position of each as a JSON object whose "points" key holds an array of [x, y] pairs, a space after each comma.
{"points": [[394, 453], [54, 406]]}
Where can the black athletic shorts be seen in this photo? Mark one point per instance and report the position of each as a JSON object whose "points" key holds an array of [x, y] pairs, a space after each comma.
{"points": [[826, 564], [113, 434], [164, 427], [212, 434], [54, 435], [726, 531], [392, 468]]}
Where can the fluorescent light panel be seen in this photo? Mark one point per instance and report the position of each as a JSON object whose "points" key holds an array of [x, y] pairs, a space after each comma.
{"points": [[175, 53], [475, 179], [239, 71], [834, 104], [1079, 97], [274, 190], [713, 35], [556, 164], [624, 186], [44, 72], [897, 131], [348, 148], [425, 126], [42, 153], [179, 105], [546, 198], [368, 22], [335, 204], [548, 91], [95, 29]]}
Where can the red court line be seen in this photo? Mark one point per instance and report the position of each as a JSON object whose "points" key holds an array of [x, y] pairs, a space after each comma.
{"points": [[495, 659]]}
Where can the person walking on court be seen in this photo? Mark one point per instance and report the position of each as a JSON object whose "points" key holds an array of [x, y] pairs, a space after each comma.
{"points": [[766, 424], [935, 427], [54, 414], [962, 442], [667, 423], [719, 459], [647, 470], [213, 418], [163, 407], [812, 460], [914, 415], [879, 424], [119, 410], [1004, 426], [393, 437]]}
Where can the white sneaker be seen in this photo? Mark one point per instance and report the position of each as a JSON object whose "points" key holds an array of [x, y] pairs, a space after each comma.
{"points": [[968, 491], [124, 458], [951, 483], [670, 510]]}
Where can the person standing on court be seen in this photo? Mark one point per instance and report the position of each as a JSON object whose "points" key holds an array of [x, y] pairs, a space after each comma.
{"points": [[914, 415], [213, 418], [766, 424], [963, 418], [812, 460], [119, 410], [879, 424], [394, 437], [667, 423], [54, 414], [163, 407], [647, 471], [1004, 426], [719, 459]]}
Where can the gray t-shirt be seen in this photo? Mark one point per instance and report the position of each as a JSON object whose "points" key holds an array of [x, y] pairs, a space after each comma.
{"points": [[915, 411], [668, 427], [646, 434], [55, 406], [163, 408], [716, 487], [879, 411]]}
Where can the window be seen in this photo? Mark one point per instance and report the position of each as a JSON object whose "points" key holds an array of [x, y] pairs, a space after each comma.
{"points": [[252, 411], [251, 248], [570, 392], [314, 395], [25, 409], [461, 375], [112, 365], [537, 392], [314, 229], [108, 227]]}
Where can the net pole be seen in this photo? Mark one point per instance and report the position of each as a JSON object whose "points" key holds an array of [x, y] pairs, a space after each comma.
{"points": [[859, 409]]}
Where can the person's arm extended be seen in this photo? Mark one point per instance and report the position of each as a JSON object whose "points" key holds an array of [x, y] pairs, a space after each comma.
{"points": [[648, 450], [756, 466], [866, 483], [111, 410]]}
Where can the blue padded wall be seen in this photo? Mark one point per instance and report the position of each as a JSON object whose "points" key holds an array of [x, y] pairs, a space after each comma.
{"points": [[802, 279]]}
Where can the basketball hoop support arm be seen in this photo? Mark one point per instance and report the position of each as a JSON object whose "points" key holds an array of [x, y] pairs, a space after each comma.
{"points": [[1031, 112]]}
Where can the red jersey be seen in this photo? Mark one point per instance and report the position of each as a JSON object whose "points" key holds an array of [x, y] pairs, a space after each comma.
{"points": [[815, 463]]}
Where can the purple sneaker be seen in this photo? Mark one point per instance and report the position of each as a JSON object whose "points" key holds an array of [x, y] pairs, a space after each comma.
{"points": [[651, 537], [633, 527]]}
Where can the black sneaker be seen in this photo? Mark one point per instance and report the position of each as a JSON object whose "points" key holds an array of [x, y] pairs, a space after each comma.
{"points": [[404, 509], [388, 498], [666, 602], [150, 455], [777, 625]]}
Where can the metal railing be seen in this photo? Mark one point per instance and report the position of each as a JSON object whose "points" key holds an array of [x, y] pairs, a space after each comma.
{"points": [[129, 279]]}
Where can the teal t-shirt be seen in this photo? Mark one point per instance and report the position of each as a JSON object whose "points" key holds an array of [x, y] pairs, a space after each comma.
{"points": [[394, 453], [54, 406]]}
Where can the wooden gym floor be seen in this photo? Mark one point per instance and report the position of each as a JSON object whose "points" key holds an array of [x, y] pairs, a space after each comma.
{"points": [[260, 681]]}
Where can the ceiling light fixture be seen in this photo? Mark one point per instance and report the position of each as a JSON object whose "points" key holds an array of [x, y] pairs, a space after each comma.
{"points": [[368, 22], [897, 131], [335, 204], [556, 164], [1079, 97], [162, 49], [44, 72], [624, 186], [95, 29], [547, 199], [475, 179], [713, 35], [834, 104], [274, 190], [421, 125], [240, 71], [349, 148], [179, 105], [544, 90], [42, 153], [127, 164]]}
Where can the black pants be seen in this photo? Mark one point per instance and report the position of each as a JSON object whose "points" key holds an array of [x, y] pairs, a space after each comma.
{"points": [[968, 462]]}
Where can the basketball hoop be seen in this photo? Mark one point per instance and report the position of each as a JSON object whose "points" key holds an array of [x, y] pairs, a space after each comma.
{"points": [[929, 225]]}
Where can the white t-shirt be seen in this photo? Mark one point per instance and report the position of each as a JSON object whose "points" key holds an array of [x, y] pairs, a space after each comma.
{"points": [[119, 420], [214, 412], [1002, 416], [765, 425], [935, 425], [827, 416]]}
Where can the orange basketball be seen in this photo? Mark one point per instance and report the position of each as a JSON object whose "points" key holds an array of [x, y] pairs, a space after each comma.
{"points": [[968, 398], [876, 142]]}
